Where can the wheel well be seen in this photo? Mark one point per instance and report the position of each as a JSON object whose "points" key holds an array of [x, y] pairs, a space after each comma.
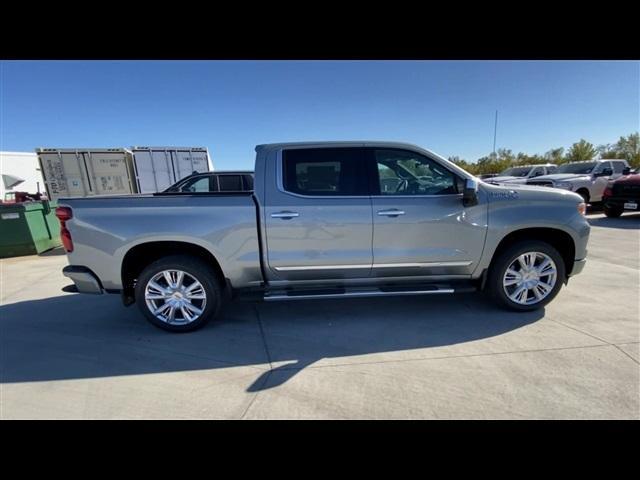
{"points": [[586, 191], [558, 239], [144, 254]]}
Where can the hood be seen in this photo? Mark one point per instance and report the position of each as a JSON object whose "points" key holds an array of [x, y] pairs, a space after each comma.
{"points": [[526, 193], [633, 179], [558, 177], [502, 178]]}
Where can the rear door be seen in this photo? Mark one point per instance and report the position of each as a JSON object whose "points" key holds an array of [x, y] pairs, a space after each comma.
{"points": [[318, 219], [420, 227]]}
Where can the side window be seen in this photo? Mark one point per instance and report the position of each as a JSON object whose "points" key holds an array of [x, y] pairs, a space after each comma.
{"points": [[230, 183], [324, 171], [401, 172], [248, 182], [551, 169], [196, 185], [618, 167], [536, 172]]}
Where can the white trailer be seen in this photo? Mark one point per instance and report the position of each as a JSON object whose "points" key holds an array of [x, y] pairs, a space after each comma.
{"points": [[22, 166], [157, 168]]}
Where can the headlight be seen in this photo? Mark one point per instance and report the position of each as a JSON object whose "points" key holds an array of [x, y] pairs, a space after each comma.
{"points": [[564, 185], [582, 208]]}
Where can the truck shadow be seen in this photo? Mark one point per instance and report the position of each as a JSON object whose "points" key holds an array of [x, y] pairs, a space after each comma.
{"points": [[83, 336], [626, 221]]}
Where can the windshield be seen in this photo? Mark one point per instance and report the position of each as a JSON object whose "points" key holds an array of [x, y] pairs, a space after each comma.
{"points": [[577, 168], [516, 172]]}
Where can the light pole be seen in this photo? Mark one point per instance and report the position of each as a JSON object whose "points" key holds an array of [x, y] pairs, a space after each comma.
{"points": [[495, 132]]}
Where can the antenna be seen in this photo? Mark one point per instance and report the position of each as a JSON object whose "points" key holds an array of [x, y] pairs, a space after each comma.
{"points": [[495, 132]]}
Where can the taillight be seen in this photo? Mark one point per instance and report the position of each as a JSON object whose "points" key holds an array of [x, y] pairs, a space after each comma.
{"points": [[64, 214]]}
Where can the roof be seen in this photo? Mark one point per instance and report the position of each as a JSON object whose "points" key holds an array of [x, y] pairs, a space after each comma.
{"points": [[344, 143]]}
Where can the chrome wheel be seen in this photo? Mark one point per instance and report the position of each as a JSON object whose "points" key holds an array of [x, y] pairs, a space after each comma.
{"points": [[175, 297], [530, 278]]}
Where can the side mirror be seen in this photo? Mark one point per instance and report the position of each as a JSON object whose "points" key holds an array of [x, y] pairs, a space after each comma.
{"points": [[470, 193], [626, 171]]}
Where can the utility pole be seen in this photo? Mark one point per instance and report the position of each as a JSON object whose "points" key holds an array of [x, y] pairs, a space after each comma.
{"points": [[495, 132]]}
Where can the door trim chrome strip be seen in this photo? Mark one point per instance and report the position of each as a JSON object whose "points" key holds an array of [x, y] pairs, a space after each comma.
{"points": [[375, 265]]}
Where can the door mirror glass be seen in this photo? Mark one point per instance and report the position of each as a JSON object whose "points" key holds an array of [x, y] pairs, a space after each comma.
{"points": [[470, 193]]}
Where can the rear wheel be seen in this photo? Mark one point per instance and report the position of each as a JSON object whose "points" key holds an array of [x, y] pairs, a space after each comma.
{"points": [[178, 293], [526, 276], [613, 212]]}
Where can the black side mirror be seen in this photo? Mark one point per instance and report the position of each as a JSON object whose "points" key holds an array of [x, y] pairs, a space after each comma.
{"points": [[626, 171], [470, 193]]}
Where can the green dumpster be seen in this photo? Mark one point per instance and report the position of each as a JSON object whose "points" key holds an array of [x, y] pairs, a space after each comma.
{"points": [[28, 228]]}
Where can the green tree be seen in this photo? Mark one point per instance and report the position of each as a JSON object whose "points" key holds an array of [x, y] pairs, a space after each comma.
{"points": [[581, 151], [629, 148], [555, 155]]}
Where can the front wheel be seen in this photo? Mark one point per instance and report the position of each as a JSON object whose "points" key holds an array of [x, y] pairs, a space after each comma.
{"points": [[613, 212], [178, 293], [526, 276]]}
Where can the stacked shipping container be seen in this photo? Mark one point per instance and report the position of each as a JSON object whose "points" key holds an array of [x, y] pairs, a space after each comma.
{"points": [[117, 171]]}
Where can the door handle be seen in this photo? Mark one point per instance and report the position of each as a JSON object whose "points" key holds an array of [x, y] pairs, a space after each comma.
{"points": [[285, 215], [390, 213]]}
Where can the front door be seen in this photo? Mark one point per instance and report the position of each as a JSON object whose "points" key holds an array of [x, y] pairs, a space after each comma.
{"points": [[318, 219], [420, 226]]}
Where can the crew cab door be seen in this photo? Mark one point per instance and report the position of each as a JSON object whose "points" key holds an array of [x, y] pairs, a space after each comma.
{"points": [[420, 226], [318, 218]]}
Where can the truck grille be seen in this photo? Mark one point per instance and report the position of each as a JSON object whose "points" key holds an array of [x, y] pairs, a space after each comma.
{"points": [[626, 190], [541, 183]]}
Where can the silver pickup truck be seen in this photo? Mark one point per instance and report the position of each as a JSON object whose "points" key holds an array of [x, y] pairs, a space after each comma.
{"points": [[326, 220]]}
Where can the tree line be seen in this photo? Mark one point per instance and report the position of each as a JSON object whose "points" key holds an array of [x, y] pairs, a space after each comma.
{"points": [[627, 148]]}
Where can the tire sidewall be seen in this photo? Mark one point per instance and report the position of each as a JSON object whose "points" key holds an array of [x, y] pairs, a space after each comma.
{"points": [[613, 212], [195, 268], [508, 256]]}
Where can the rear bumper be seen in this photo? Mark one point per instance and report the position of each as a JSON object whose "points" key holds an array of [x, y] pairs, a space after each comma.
{"points": [[85, 280], [578, 266]]}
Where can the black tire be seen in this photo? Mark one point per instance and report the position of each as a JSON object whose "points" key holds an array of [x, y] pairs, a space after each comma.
{"points": [[194, 267], [613, 212], [503, 260], [584, 194]]}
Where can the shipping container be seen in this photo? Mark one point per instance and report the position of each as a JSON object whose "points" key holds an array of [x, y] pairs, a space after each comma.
{"points": [[86, 172], [157, 168], [69, 172]]}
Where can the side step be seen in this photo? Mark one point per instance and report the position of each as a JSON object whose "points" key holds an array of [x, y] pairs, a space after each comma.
{"points": [[355, 292]]}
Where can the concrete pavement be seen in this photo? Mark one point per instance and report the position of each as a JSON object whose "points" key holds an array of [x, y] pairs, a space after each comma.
{"points": [[66, 355]]}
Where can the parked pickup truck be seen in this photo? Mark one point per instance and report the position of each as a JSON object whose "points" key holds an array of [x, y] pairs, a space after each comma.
{"points": [[326, 220], [521, 174], [587, 179], [622, 194]]}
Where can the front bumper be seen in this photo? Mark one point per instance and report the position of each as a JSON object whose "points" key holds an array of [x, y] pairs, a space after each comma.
{"points": [[85, 280], [618, 202], [578, 266]]}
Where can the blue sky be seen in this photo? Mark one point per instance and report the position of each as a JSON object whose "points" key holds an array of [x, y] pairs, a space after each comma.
{"points": [[230, 106]]}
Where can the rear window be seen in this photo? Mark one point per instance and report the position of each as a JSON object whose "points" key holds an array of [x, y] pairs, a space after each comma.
{"points": [[324, 171], [230, 183]]}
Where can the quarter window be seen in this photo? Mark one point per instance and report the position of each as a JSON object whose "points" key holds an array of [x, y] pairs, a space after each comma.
{"points": [[324, 171], [403, 172]]}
